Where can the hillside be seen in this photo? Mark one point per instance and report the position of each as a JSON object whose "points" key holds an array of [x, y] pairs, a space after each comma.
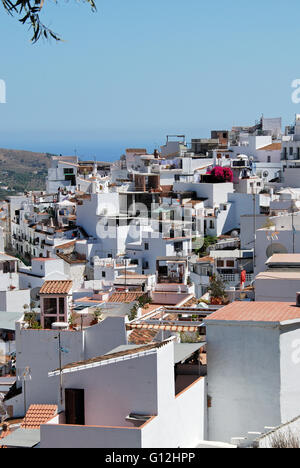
{"points": [[22, 170]]}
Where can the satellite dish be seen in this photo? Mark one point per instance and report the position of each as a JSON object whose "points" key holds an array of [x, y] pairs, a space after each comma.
{"points": [[234, 234], [265, 173], [34, 294], [276, 248]]}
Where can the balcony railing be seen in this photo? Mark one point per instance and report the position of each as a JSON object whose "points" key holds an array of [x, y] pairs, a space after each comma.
{"points": [[235, 279]]}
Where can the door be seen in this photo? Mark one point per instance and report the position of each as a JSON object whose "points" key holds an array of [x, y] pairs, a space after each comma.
{"points": [[74, 399]]}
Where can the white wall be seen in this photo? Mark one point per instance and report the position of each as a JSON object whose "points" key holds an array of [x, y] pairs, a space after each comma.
{"points": [[113, 391], [243, 379], [216, 193], [290, 372], [13, 301], [143, 385], [38, 349], [89, 437], [278, 290], [107, 335]]}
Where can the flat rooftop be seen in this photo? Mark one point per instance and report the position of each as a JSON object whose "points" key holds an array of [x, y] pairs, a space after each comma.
{"points": [[279, 275], [256, 312], [293, 259]]}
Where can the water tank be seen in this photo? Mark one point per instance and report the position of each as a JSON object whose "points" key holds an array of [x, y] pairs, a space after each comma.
{"points": [[60, 326]]}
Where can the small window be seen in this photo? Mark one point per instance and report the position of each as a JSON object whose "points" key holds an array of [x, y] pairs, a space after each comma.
{"points": [[269, 159], [68, 171], [146, 245], [220, 263], [103, 274], [230, 263]]}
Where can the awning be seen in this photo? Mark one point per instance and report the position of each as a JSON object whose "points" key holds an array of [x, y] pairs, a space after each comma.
{"points": [[183, 351], [173, 328]]}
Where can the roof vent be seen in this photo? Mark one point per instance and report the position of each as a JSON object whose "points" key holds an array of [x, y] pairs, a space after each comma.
{"points": [[298, 299]]}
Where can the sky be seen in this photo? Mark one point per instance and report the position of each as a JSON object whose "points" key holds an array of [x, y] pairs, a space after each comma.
{"points": [[137, 70]]}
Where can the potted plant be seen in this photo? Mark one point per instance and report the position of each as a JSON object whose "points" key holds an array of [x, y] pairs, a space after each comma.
{"points": [[72, 322], [217, 291], [96, 317]]}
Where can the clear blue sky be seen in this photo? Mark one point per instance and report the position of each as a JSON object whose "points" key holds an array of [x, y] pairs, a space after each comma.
{"points": [[139, 69]]}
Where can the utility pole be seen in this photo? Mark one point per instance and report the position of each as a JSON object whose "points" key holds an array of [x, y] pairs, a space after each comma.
{"points": [[60, 366], [293, 227], [254, 227]]}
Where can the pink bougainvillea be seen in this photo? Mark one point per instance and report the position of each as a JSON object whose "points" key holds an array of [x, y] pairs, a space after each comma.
{"points": [[221, 174]]}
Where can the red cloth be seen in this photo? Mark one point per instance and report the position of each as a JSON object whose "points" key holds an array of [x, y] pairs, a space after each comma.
{"points": [[243, 276]]}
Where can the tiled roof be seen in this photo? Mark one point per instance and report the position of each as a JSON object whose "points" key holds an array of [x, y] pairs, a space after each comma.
{"points": [[140, 337], [125, 297], [43, 259], [157, 328], [272, 147], [66, 245], [56, 287], [107, 357], [136, 150], [205, 260], [71, 258], [256, 312], [37, 415], [148, 308]]}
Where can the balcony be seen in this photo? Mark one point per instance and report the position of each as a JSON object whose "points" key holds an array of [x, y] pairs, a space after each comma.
{"points": [[235, 279]]}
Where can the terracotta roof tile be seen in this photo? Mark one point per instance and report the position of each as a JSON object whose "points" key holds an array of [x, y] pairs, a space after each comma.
{"points": [[272, 147], [120, 354], [56, 287], [256, 312], [125, 297], [37, 415], [66, 245], [139, 337]]}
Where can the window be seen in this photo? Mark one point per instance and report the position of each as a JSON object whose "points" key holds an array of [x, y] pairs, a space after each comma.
{"points": [[291, 151], [211, 224], [103, 274], [50, 306], [220, 263], [61, 306], [146, 245], [68, 171], [269, 159], [230, 263], [178, 246]]}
